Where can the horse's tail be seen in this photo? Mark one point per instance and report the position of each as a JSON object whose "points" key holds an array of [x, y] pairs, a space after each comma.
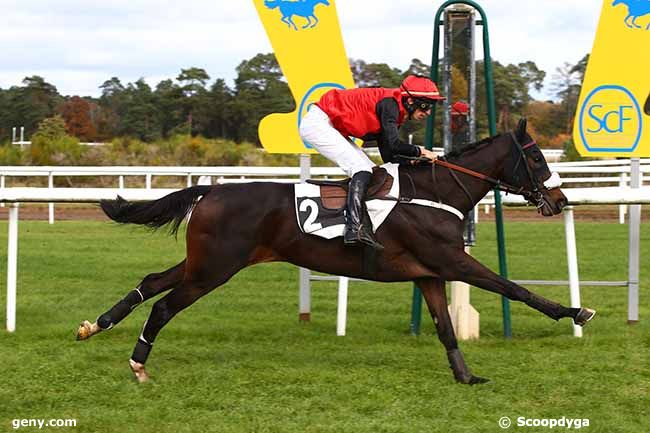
{"points": [[156, 213]]}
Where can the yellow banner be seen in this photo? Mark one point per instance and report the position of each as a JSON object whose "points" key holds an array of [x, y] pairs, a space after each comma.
{"points": [[307, 41], [613, 112]]}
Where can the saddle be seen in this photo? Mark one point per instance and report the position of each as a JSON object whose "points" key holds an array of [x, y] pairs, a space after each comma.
{"points": [[334, 193]]}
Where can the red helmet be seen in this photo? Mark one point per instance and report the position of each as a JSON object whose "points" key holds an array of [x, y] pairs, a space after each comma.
{"points": [[460, 108], [420, 87]]}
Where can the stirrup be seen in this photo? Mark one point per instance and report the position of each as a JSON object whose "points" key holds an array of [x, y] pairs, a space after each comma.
{"points": [[371, 242], [361, 236], [351, 236]]}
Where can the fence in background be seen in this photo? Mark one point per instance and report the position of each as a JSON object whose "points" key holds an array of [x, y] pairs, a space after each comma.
{"points": [[574, 174]]}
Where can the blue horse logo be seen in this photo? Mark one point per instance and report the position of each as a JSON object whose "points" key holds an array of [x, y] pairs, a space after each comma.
{"points": [[302, 8], [635, 9]]}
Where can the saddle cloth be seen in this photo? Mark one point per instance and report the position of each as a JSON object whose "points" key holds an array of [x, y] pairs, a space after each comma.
{"points": [[320, 204]]}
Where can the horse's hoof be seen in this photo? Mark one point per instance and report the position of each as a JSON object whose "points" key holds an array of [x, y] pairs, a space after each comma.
{"points": [[583, 316], [470, 379], [475, 380], [138, 370], [87, 330]]}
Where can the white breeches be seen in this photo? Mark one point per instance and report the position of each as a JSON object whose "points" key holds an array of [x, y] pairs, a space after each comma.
{"points": [[317, 130]]}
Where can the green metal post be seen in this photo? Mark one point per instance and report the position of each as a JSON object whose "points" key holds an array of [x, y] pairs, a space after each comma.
{"points": [[416, 311], [489, 90]]}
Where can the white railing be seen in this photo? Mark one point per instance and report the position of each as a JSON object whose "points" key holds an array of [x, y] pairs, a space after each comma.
{"points": [[606, 172], [225, 174], [614, 168]]}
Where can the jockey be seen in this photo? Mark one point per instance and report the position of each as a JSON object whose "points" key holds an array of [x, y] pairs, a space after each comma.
{"points": [[372, 113]]}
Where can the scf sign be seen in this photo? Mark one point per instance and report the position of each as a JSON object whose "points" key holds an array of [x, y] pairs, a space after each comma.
{"points": [[612, 116], [610, 120]]}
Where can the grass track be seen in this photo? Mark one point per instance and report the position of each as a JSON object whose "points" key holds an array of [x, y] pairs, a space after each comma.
{"points": [[238, 361]]}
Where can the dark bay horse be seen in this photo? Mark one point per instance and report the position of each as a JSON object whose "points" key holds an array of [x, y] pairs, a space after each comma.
{"points": [[237, 225]]}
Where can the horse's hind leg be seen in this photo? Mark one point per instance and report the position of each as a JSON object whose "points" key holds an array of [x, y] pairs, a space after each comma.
{"points": [[200, 278], [151, 285], [435, 296]]}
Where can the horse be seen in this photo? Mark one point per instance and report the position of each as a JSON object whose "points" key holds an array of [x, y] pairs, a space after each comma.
{"points": [[302, 8], [233, 226], [635, 9]]}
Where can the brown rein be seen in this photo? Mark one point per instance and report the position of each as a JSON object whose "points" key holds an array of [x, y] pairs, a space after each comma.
{"points": [[502, 186]]}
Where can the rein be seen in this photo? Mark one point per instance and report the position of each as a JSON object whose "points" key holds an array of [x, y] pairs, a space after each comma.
{"points": [[534, 196], [500, 185]]}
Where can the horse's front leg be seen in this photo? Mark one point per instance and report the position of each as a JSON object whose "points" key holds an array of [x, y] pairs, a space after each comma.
{"points": [[315, 21], [308, 23], [161, 313], [435, 296], [469, 270]]}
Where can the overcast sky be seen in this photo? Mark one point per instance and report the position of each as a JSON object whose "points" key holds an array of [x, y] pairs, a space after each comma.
{"points": [[78, 44]]}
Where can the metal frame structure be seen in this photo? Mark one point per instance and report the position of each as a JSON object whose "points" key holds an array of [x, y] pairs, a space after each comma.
{"points": [[416, 310]]}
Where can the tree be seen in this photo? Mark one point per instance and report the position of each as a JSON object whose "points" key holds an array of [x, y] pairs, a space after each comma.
{"points": [[171, 109], [260, 89], [52, 145], [5, 116], [566, 85], [512, 85], [76, 113], [532, 75], [374, 74], [213, 115], [581, 67], [260, 73], [112, 104], [31, 103], [193, 82], [140, 117], [547, 119], [417, 67], [51, 129]]}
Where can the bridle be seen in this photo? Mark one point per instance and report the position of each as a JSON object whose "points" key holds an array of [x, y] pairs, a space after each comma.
{"points": [[534, 196]]}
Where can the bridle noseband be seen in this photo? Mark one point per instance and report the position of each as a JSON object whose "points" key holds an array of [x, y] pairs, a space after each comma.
{"points": [[535, 196]]}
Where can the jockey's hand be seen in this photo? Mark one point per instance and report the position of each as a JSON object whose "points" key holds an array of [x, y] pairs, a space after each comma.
{"points": [[426, 153]]}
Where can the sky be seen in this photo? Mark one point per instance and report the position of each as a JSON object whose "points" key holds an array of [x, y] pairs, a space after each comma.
{"points": [[76, 45]]}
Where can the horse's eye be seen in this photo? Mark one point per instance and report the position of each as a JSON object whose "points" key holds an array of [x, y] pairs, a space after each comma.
{"points": [[537, 155]]}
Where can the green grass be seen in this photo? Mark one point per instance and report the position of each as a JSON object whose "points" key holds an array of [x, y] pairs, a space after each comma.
{"points": [[239, 361]]}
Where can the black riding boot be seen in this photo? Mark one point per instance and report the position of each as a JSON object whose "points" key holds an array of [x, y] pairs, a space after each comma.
{"points": [[357, 224]]}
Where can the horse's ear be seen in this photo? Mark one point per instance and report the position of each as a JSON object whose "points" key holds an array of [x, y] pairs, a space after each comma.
{"points": [[521, 129]]}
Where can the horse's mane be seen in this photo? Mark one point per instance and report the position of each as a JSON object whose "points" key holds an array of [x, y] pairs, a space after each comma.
{"points": [[469, 148]]}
